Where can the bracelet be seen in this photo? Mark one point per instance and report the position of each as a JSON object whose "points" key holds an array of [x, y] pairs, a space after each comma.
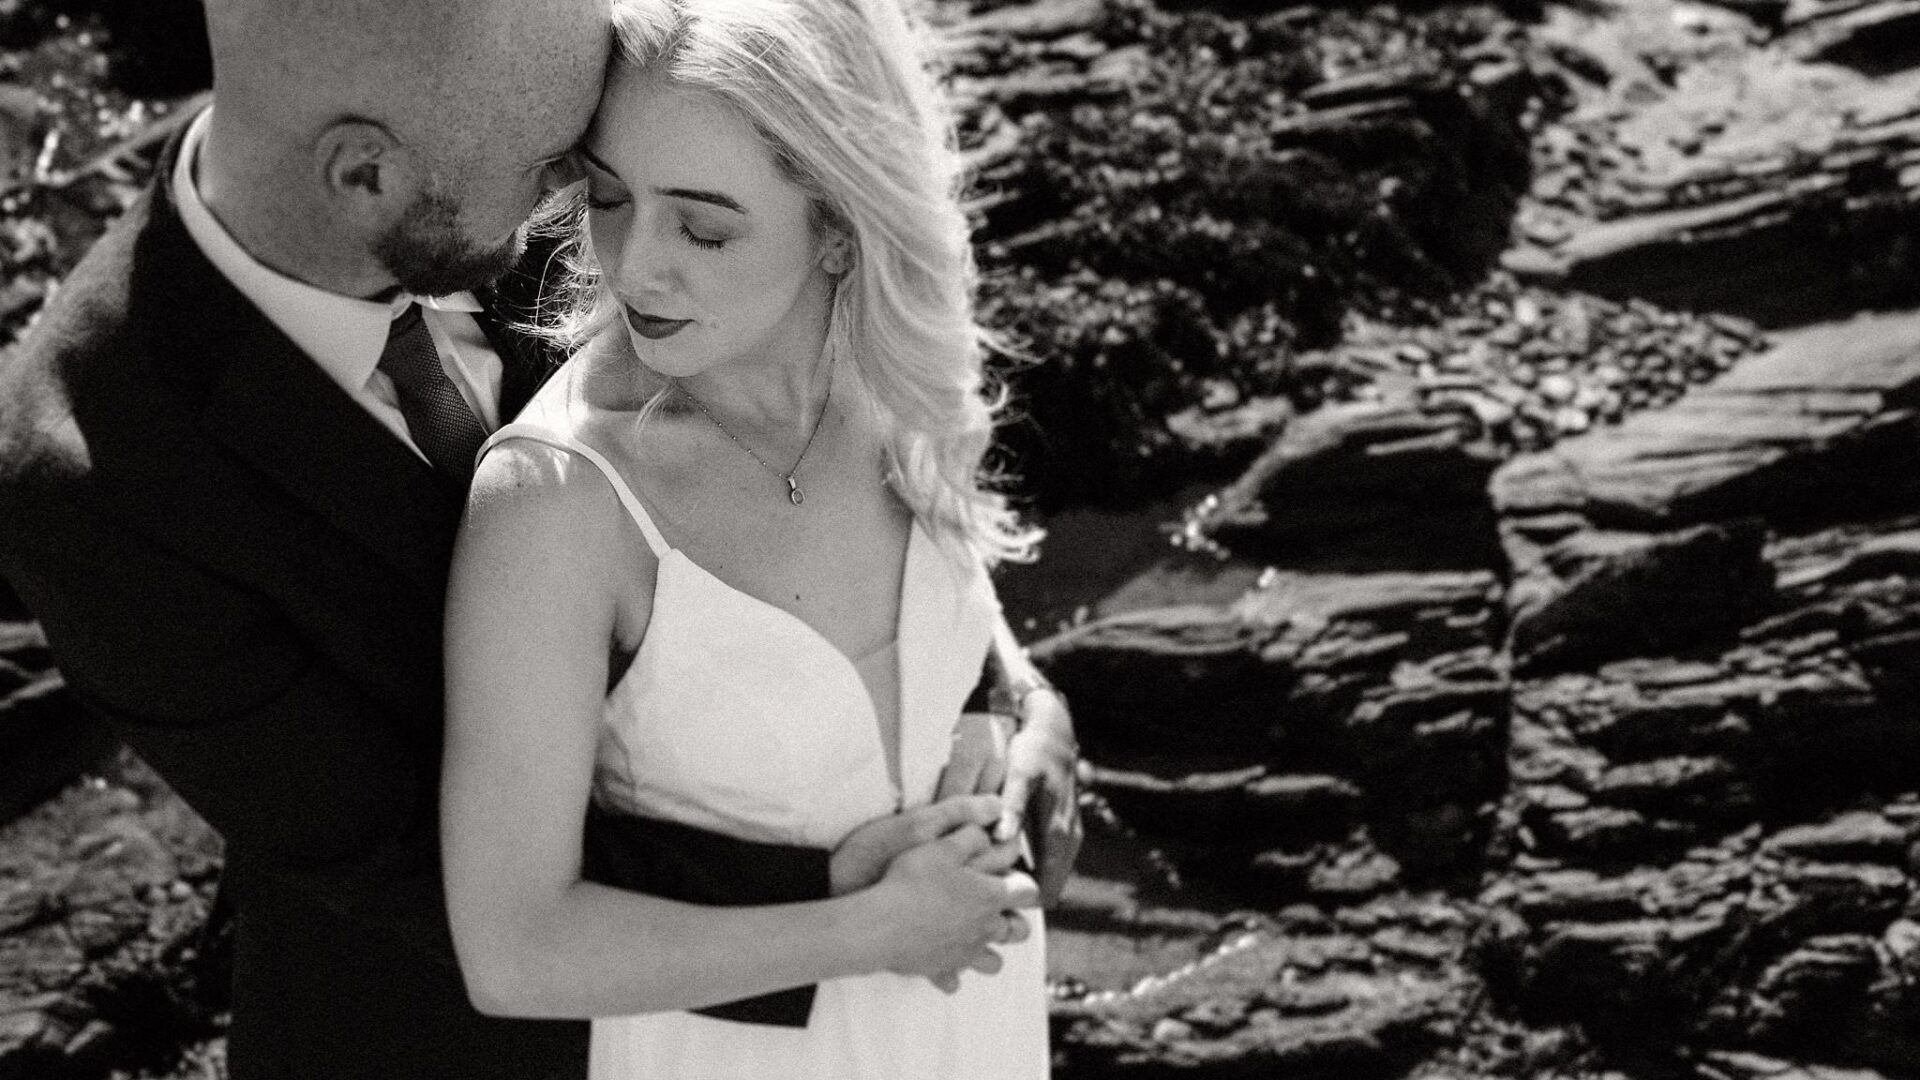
{"points": [[1013, 699]]}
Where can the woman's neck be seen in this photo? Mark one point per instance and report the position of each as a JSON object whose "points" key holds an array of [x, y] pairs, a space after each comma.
{"points": [[779, 399]]}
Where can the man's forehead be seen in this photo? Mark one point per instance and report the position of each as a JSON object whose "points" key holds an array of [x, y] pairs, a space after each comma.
{"points": [[546, 79]]}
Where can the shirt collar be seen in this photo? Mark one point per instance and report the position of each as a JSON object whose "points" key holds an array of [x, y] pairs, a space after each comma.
{"points": [[345, 335]]}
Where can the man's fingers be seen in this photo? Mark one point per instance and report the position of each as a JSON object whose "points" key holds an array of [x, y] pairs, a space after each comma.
{"points": [[1014, 794], [978, 751], [1061, 848], [993, 774], [962, 774], [951, 780], [948, 982]]}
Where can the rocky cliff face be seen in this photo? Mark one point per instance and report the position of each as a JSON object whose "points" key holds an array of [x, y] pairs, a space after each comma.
{"points": [[1576, 697], [1532, 693]]}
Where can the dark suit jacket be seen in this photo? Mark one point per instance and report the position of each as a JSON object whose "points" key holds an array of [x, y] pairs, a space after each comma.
{"points": [[244, 571]]}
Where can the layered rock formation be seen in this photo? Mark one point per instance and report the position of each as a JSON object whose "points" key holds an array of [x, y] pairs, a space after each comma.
{"points": [[1705, 841], [1325, 736], [107, 956], [1374, 990], [1172, 201], [1719, 160]]}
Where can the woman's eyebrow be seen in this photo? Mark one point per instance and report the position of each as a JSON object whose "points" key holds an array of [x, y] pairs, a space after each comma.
{"points": [[713, 198], [716, 198]]}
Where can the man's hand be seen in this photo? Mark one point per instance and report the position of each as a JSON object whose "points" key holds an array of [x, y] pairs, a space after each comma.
{"points": [[978, 761], [863, 857], [1042, 790]]}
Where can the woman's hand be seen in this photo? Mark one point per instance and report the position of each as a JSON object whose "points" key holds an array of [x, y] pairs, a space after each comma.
{"points": [[950, 902], [863, 857]]}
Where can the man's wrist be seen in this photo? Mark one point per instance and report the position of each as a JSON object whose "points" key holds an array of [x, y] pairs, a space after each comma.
{"points": [[1011, 698]]}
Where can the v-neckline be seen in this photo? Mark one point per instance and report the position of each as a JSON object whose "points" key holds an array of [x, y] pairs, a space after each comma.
{"points": [[896, 777]]}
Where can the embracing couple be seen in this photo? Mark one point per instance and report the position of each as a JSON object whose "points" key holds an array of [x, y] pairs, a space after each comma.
{"points": [[644, 689]]}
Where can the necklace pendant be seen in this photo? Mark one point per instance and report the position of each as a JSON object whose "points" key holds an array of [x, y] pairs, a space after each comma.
{"points": [[794, 494]]}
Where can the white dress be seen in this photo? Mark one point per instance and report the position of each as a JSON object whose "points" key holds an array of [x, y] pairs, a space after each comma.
{"points": [[739, 717]]}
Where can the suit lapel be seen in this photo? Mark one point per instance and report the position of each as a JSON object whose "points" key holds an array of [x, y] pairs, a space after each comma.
{"points": [[274, 407], [278, 411]]}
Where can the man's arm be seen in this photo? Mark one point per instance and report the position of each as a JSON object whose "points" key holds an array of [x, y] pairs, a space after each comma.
{"points": [[1017, 739], [316, 789]]}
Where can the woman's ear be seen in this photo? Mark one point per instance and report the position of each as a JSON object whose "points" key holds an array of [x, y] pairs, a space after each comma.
{"points": [[836, 253], [367, 173]]}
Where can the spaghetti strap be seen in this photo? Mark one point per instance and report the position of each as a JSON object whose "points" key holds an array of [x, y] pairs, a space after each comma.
{"points": [[628, 499]]}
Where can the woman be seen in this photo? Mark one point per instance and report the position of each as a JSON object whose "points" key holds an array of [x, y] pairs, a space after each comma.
{"points": [[756, 489]]}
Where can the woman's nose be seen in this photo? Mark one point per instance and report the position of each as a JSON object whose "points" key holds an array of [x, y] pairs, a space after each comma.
{"points": [[645, 258]]}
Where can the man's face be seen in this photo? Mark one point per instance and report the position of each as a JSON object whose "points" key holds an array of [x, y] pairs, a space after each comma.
{"points": [[496, 144], [428, 253]]}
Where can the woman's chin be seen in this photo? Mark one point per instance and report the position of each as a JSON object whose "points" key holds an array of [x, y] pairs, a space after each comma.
{"points": [[667, 356]]}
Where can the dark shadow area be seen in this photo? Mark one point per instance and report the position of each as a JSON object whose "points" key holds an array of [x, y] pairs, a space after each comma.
{"points": [[154, 48]]}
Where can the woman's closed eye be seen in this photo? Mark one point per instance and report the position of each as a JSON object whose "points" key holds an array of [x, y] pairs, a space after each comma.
{"points": [[710, 243], [702, 236]]}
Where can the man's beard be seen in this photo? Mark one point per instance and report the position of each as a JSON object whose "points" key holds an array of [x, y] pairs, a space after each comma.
{"points": [[426, 253]]}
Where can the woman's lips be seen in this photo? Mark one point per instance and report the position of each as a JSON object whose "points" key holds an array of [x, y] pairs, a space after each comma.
{"points": [[653, 328]]}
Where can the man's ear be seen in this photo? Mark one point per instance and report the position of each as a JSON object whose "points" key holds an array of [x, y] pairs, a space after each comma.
{"points": [[366, 172]]}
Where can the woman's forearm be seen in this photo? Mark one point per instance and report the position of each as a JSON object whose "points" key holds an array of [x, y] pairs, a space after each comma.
{"points": [[599, 951]]}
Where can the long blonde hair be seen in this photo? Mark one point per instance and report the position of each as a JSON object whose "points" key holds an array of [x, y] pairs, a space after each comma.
{"points": [[842, 93]]}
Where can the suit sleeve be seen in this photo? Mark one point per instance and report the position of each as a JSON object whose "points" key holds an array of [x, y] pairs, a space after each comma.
{"points": [[320, 793], [313, 787]]}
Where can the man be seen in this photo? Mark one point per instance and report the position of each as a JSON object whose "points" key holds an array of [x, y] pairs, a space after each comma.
{"points": [[233, 539], [232, 458]]}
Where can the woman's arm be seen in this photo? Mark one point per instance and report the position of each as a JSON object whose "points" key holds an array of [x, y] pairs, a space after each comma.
{"points": [[530, 614]]}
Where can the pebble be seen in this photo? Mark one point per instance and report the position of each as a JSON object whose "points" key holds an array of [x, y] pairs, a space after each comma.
{"points": [[1169, 1030]]}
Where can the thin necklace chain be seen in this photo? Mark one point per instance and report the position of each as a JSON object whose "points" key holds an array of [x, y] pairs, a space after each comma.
{"points": [[794, 494]]}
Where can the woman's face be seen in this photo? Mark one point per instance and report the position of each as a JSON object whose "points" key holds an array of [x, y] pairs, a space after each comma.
{"points": [[707, 246]]}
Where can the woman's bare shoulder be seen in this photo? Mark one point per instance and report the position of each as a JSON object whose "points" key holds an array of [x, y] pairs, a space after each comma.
{"points": [[531, 493]]}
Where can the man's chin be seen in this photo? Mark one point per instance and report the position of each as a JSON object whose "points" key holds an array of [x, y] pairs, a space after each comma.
{"points": [[439, 266]]}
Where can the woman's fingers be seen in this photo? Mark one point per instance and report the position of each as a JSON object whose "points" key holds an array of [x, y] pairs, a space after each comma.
{"points": [[997, 859], [1021, 891], [967, 843], [1014, 928], [937, 819], [986, 962]]}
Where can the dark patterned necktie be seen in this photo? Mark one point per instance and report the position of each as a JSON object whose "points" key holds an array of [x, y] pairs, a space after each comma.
{"points": [[442, 425]]}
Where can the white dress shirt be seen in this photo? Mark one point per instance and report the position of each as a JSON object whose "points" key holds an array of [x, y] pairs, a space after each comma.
{"points": [[343, 334]]}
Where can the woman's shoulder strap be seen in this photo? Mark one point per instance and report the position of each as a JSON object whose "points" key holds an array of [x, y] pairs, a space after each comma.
{"points": [[542, 434]]}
